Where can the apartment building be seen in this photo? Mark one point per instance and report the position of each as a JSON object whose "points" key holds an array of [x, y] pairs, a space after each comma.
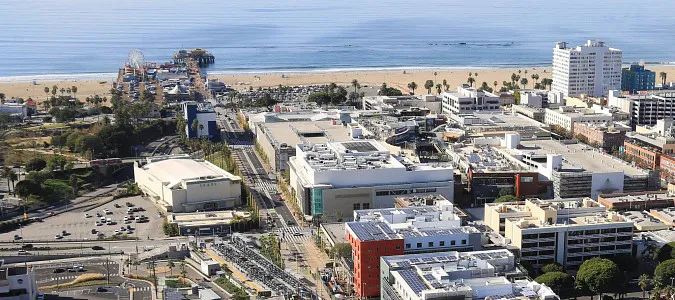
{"points": [[488, 275], [592, 69], [17, 283], [541, 98], [340, 177], [607, 136], [636, 78], [564, 231], [531, 112], [566, 116], [395, 231], [646, 151], [636, 201], [467, 100]]}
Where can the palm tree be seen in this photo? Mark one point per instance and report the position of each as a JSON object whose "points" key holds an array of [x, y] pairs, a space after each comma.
{"points": [[5, 173], [201, 129], [62, 90], [663, 76], [495, 84], [470, 74], [171, 265], [74, 90], [412, 86], [445, 84], [470, 80], [69, 92], [435, 73], [439, 88], [535, 77], [54, 90], [429, 84], [524, 82], [475, 74], [356, 85], [643, 283], [513, 78]]}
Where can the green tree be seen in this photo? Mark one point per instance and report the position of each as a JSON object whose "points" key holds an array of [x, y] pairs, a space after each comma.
{"points": [[554, 267], [74, 90], [599, 275], [665, 270], [506, 198], [54, 90], [663, 76], [195, 125], [644, 282], [495, 83], [412, 86], [470, 81], [356, 85], [24, 188], [523, 81], [74, 183], [439, 88], [36, 164], [341, 250], [666, 252], [535, 77], [446, 85], [560, 282], [506, 192], [429, 84]]}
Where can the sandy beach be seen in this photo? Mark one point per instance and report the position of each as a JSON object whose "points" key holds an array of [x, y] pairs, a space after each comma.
{"points": [[374, 78]]}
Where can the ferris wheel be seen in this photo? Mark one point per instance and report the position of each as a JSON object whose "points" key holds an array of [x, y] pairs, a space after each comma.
{"points": [[136, 59]]}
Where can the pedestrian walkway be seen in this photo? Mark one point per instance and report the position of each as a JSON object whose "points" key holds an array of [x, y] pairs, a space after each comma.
{"points": [[293, 234], [65, 278]]}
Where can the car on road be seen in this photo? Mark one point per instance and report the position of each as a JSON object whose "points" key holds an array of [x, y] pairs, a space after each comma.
{"points": [[97, 248], [59, 270], [17, 237], [41, 296], [101, 289], [58, 237], [22, 252], [64, 233], [298, 234], [289, 222]]}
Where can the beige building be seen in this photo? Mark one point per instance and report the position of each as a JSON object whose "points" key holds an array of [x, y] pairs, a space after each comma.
{"points": [[565, 231], [182, 184]]}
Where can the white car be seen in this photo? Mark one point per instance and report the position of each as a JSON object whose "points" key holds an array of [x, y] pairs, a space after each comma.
{"points": [[117, 231], [58, 237], [126, 218], [22, 252], [87, 216]]}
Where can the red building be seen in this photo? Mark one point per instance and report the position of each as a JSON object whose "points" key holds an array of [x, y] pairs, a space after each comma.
{"points": [[367, 261]]}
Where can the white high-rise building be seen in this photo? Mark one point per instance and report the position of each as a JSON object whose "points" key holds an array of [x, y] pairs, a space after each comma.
{"points": [[592, 69]]}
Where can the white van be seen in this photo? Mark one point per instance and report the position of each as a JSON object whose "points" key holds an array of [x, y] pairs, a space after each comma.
{"points": [[108, 220]]}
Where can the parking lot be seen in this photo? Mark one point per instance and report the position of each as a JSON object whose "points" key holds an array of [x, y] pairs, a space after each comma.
{"points": [[77, 226]]}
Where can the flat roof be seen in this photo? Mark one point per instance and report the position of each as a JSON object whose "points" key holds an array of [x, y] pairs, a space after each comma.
{"points": [[579, 157], [206, 218], [644, 221], [336, 231], [377, 231], [171, 170], [617, 198], [298, 132], [486, 159]]}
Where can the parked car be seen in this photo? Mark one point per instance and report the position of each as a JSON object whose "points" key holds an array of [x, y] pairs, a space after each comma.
{"points": [[17, 237], [117, 205], [96, 248], [58, 237], [94, 231], [87, 216], [129, 204], [22, 252], [101, 289], [59, 270]]}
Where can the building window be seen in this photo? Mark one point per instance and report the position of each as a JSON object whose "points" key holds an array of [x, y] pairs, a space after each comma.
{"points": [[357, 206], [407, 246], [431, 244], [399, 247], [419, 245], [452, 243], [463, 242], [366, 205], [441, 243]]}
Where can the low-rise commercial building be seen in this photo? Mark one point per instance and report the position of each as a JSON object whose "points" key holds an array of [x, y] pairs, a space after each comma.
{"points": [[181, 184], [336, 178], [278, 133], [488, 274], [566, 116], [646, 151], [19, 110], [384, 232], [497, 123], [636, 201], [490, 170], [578, 170], [667, 168], [209, 223], [607, 136], [645, 109], [430, 200], [17, 283], [200, 121], [467, 100], [564, 231], [531, 112], [541, 98]]}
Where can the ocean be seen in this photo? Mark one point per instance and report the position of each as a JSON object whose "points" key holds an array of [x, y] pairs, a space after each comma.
{"points": [[59, 39]]}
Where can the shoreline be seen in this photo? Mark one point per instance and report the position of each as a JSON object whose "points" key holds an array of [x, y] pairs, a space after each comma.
{"points": [[100, 83], [246, 72]]}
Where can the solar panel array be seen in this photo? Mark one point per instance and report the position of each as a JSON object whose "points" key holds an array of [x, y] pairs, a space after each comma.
{"points": [[411, 278], [372, 231], [429, 277]]}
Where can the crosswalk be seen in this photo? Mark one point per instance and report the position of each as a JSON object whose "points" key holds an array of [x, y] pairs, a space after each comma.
{"points": [[289, 234], [143, 289], [265, 185]]}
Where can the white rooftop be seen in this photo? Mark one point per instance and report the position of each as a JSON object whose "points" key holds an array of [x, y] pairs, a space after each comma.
{"points": [[173, 169]]}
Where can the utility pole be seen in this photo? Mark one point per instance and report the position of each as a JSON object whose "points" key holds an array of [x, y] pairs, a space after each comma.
{"points": [[154, 275]]}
